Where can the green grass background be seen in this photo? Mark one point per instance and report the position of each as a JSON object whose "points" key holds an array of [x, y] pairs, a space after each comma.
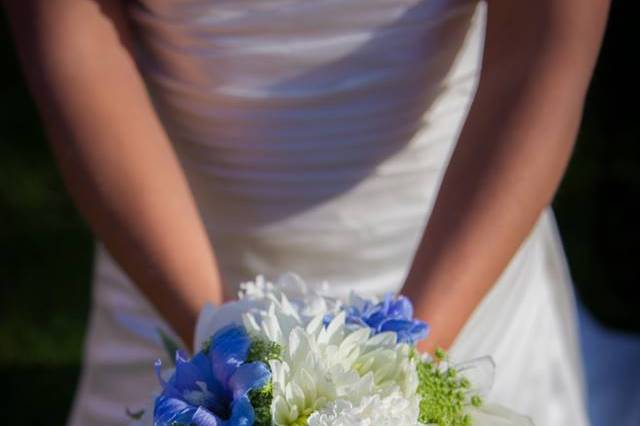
{"points": [[46, 249]]}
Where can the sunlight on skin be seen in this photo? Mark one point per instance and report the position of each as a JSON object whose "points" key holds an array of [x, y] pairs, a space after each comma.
{"points": [[510, 157]]}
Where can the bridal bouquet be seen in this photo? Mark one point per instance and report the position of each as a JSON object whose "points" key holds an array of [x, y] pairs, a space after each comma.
{"points": [[284, 354]]}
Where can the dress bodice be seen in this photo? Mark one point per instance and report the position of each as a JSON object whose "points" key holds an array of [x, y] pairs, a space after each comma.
{"points": [[312, 129]]}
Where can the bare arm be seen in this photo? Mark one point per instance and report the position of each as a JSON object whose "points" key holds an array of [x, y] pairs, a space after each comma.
{"points": [[114, 155], [511, 155]]}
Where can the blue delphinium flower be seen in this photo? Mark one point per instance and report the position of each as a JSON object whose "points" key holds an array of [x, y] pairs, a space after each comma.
{"points": [[391, 314], [212, 388]]}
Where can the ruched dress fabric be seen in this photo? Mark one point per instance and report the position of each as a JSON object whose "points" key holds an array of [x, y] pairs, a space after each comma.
{"points": [[314, 134]]}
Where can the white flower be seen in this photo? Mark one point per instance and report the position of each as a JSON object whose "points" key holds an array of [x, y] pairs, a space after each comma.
{"points": [[290, 294], [390, 363], [324, 364], [308, 301], [276, 322], [258, 289], [393, 410]]}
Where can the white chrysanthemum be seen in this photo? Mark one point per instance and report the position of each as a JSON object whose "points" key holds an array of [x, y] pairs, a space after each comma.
{"points": [[308, 301], [390, 363], [276, 322], [324, 364], [393, 410], [289, 294], [258, 289]]}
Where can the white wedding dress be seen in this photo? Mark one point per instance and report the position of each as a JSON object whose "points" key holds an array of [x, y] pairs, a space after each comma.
{"points": [[314, 134]]}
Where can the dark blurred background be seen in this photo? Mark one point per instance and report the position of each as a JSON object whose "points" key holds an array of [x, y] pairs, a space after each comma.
{"points": [[46, 249]]}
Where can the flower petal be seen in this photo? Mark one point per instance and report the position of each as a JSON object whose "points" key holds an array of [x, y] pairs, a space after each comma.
{"points": [[242, 413], [252, 375], [229, 349], [170, 410], [419, 331], [408, 331], [397, 325], [203, 364], [203, 417], [386, 303], [168, 389], [495, 415], [212, 319], [194, 383], [401, 308], [376, 319], [189, 372], [158, 369]]}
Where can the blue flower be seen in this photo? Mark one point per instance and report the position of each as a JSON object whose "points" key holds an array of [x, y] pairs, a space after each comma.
{"points": [[211, 389], [391, 314]]}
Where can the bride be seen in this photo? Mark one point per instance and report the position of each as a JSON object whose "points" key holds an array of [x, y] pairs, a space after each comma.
{"points": [[405, 145]]}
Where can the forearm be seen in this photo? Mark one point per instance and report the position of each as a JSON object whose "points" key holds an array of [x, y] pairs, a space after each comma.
{"points": [[115, 157], [506, 167]]}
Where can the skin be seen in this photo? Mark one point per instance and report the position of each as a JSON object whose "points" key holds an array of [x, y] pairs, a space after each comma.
{"points": [[510, 157], [114, 155], [124, 177]]}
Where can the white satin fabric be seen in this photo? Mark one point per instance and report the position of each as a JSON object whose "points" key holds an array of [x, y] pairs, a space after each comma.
{"points": [[314, 134]]}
